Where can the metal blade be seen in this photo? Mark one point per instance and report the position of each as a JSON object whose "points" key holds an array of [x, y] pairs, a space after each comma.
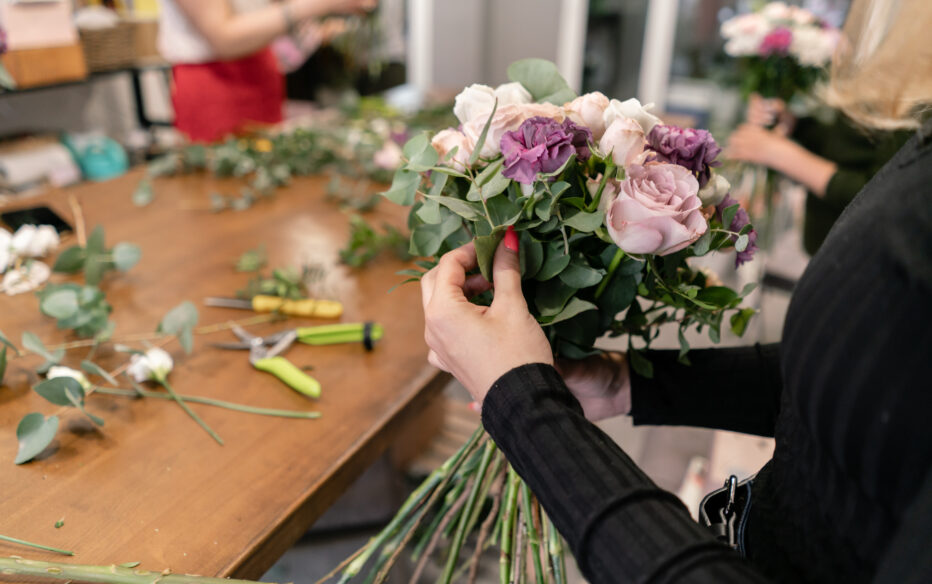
{"points": [[240, 303], [239, 346], [249, 339], [283, 343]]}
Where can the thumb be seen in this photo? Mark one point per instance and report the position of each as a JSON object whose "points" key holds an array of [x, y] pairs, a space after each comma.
{"points": [[506, 270]]}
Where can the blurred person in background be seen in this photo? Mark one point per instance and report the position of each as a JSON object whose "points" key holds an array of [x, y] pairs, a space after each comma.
{"points": [[847, 496], [832, 159], [225, 74]]}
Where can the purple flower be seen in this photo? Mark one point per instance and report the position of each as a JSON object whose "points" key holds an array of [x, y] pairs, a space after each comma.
{"points": [[737, 224], [542, 145], [693, 149], [776, 42]]}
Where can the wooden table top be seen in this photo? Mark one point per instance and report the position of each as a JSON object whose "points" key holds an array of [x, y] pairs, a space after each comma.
{"points": [[151, 486]]}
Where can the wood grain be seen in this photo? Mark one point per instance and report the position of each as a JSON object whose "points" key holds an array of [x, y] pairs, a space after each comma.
{"points": [[151, 486]]}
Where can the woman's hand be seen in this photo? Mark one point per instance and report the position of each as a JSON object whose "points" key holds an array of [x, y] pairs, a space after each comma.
{"points": [[770, 113], [479, 344], [601, 384], [757, 145]]}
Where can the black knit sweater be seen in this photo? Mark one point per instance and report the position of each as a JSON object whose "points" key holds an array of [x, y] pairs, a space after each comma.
{"points": [[847, 496]]}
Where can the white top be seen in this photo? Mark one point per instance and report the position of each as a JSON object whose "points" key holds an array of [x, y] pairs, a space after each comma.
{"points": [[180, 42]]}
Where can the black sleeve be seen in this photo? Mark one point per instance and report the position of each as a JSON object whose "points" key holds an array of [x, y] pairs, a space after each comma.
{"points": [[620, 526], [735, 389]]}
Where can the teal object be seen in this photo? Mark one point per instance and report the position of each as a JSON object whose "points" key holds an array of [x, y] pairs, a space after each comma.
{"points": [[100, 158]]}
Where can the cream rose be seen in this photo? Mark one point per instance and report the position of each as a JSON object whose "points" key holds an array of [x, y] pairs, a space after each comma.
{"points": [[656, 210], [154, 365], [630, 108], [588, 110], [715, 190], [475, 101], [445, 141], [512, 94], [623, 140], [506, 119]]}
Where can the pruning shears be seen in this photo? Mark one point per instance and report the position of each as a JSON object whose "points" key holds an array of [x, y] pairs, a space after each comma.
{"points": [[265, 352]]}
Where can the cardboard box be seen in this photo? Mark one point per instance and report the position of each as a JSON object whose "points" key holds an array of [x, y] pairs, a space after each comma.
{"points": [[45, 66]]}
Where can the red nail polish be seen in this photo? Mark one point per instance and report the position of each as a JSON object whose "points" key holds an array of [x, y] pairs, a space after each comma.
{"points": [[511, 239]]}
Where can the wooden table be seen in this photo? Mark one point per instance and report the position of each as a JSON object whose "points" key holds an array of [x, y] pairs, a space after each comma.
{"points": [[151, 486]]}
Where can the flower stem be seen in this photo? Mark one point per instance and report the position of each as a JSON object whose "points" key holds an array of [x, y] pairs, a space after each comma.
{"points": [[609, 172], [190, 412], [210, 402], [616, 261], [38, 546], [112, 574], [533, 536]]}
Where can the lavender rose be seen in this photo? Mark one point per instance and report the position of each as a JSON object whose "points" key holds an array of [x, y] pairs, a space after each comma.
{"points": [[542, 145], [692, 149], [656, 210], [737, 224]]}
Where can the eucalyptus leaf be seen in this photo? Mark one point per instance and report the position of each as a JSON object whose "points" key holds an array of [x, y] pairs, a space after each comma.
{"points": [[573, 307], [740, 320], [641, 364], [420, 154], [143, 195], [748, 288], [742, 243], [126, 255], [728, 215], [61, 391], [426, 240], [551, 297], [555, 261], [701, 247], [5, 341], [95, 267], [404, 187], [95, 369], [684, 347], [60, 304], [180, 321], [542, 79], [585, 222], [34, 434], [429, 212], [477, 148], [2, 363], [96, 419], [485, 251], [32, 344], [96, 241], [70, 260], [503, 211], [580, 275], [532, 257], [720, 296], [467, 211]]}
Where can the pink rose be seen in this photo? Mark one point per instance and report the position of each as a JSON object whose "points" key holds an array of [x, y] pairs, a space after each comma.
{"points": [[624, 140], [656, 211], [445, 140], [588, 110], [507, 119], [389, 156]]}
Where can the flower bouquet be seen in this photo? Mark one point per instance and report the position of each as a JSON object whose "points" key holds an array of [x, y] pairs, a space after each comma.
{"points": [[782, 50], [609, 204]]}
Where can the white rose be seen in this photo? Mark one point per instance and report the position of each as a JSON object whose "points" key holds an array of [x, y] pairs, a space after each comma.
{"points": [[776, 11], [26, 278], [32, 242], [714, 191], [624, 140], [813, 47], [744, 34], [154, 365], [589, 110], [6, 257], [507, 119], [473, 102], [388, 156], [511, 94], [59, 371], [631, 108], [445, 141]]}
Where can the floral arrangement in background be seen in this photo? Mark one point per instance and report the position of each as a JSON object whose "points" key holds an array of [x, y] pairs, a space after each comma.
{"points": [[609, 204], [782, 49]]}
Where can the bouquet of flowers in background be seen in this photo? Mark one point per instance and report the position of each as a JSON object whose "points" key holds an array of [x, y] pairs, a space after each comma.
{"points": [[782, 49], [609, 204]]}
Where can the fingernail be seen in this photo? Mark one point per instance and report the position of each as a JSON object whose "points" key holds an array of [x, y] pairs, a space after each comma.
{"points": [[511, 239]]}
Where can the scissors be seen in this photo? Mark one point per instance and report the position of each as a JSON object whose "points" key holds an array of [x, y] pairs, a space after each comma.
{"points": [[264, 352]]}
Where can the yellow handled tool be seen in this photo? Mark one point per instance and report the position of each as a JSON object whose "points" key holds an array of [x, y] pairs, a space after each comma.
{"points": [[306, 307]]}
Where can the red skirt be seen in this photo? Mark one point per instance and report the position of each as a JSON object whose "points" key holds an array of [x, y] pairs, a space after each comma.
{"points": [[213, 100]]}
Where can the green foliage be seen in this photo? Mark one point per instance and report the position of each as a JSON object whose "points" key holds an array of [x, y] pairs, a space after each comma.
{"points": [[83, 309], [365, 243], [2, 363], [66, 391], [252, 260], [34, 433], [180, 321], [542, 79], [32, 344], [95, 260]]}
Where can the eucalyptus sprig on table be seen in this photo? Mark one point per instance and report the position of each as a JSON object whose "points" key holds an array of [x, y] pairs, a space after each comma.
{"points": [[127, 573]]}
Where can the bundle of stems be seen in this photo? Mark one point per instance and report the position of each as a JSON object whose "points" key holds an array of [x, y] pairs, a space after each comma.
{"points": [[477, 496]]}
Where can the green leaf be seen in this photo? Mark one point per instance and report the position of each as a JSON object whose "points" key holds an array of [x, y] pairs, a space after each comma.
{"points": [[32, 344], [728, 215], [2, 364], [701, 247], [467, 211], [585, 222], [640, 364], [551, 297], [420, 154], [5, 341], [95, 369], [143, 195], [542, 79], [404, 187], [252, 260], [70, 261], [580, 275], [439, 183], [426, 240], [503, 211], [485, 251], [488, 183], [60, 304], [742, 243], [429, 212], [96, 241], [180, 321], [126, 255], [477, 149], [61, 391], [740, 320], [748, 288], [684, 347], [96, 419], [720, 296], [34, 434], [532, 257], [572, 308], [555, 261], [94, 268]]}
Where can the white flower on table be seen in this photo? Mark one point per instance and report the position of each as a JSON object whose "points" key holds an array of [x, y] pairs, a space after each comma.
{"points": [[31, 241], [59, 371], [25, 278], [6, 253], [153, 365]]}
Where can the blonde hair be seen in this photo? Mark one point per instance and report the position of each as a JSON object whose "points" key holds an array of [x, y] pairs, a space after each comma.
{"points": [[882, 73]]}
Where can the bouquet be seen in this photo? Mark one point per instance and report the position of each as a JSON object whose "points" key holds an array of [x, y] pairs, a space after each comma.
{"points": [[782, 49], [609, 205]]}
